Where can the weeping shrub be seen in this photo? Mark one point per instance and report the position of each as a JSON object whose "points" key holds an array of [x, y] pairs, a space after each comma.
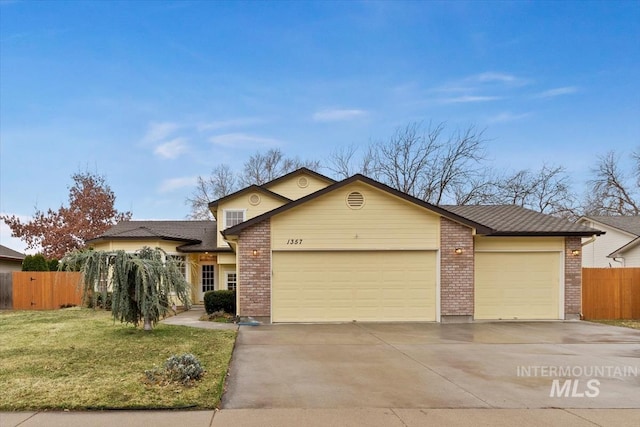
{"points": [[141, 284]]}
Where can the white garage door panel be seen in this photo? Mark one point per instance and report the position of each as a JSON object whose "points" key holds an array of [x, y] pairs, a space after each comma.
{"points": [[346, 286], [511, 285]]}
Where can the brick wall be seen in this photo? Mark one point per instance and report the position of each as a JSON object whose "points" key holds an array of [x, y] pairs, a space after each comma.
{"points": [[456, 270], [254, 279], [572, 278]]}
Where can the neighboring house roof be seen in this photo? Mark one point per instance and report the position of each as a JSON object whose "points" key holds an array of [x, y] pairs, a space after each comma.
{"points": [[198, 236], [249, 189], [10, 255], [621, 250], [512, 220], [628, 224]]}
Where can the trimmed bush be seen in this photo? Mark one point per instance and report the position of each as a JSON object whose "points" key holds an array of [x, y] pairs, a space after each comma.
{"points": [[53, 264], [220, 301], [35, 263]]}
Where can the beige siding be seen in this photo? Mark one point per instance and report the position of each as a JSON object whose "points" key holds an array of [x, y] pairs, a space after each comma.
{"points": [[229, 258], [384, 222], [222, 274], [358, 285], [267, 203], [291, 189], [529, 244], [517, 285], [631, 257]]}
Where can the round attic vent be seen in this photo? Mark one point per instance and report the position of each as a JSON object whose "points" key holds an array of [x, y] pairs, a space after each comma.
{"points": [[355, 200], [303, 182], [254, 199]]}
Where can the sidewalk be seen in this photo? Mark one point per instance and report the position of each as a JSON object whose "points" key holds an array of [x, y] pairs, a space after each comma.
{"points": [[192, 318], [370, 417]]}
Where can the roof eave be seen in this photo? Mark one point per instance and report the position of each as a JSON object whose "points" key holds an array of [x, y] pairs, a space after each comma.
{"points": [[545, 233]]}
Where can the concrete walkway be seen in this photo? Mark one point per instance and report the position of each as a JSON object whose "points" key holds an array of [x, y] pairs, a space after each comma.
{"points": [[321, 417]]}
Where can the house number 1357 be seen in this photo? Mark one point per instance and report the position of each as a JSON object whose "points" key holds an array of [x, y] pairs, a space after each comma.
{"points": [[294, 242]]}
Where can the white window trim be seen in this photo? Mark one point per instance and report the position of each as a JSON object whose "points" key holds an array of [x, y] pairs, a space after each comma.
{"points": [[224, 216], [226, 278]]}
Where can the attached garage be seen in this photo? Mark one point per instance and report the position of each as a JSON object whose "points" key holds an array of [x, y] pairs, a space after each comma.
{"points": [[516, 284], [323, 286]]}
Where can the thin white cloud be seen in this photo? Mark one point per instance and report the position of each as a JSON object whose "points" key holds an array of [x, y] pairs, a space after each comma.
{"points": [[469, 98], [489, 77], [559, 91], [230, 123], [159, 131], [171, 149], [173, 184], [337, 115], [243, 139], [506, 117]]}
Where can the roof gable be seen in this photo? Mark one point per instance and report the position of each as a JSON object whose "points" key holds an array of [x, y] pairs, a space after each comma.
{"points": [[232, 231], [297, 172], [239, 193]]}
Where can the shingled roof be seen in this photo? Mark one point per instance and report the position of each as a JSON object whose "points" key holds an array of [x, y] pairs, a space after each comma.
{"points": [[10, 254], [197, 236], [511, 220], [629, 224]]}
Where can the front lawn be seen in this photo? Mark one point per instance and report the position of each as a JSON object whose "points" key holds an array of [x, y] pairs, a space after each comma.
{"points": [[80, 359], [635, 324]]}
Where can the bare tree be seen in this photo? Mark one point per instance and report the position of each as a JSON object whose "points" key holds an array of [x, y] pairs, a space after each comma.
{"points": [[422, 163], [220, 183], [611, 192], [264, 167], [346, 161], [547, 190], [259, 169]]}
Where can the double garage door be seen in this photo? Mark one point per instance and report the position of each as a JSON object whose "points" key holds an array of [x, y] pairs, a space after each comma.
{"points": [[517, 285], [354, 285]]}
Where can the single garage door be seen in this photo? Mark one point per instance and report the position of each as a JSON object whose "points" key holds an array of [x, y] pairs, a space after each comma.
{"points": [[511, 285], [354, 285]]}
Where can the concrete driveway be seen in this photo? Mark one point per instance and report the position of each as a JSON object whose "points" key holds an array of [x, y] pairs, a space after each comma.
{"points": [[426, 365]]}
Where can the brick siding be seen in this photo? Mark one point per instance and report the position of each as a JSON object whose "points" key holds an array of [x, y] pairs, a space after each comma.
{"points": [[254, 279], [456, 270], [572, 278]]}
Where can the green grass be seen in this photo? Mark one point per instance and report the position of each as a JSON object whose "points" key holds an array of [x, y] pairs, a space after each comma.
{"points": [[635, 324], [80, 359]]}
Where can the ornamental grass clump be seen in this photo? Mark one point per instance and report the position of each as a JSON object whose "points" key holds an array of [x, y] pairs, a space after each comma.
{"points": [[185, 369]]}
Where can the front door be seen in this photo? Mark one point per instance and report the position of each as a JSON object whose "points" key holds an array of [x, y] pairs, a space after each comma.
{"points": [[207, 280]]}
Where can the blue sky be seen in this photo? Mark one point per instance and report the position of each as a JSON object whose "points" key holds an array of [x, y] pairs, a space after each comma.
{"points": [[152, 94]]}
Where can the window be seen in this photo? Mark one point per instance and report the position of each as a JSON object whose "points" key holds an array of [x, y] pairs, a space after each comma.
{"points": [[232, 281], [208, 278], [181, 263], [233, 217]]}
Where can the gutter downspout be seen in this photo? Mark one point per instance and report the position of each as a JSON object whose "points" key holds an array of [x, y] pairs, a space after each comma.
{"points": [[615, 259]]}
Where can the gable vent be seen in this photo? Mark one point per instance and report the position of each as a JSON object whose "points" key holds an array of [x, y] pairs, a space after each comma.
{"points": [[303, 182], [254, 199], [355, 200]]}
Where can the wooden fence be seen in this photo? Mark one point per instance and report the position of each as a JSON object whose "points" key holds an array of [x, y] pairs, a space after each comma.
{"points": [[611, 293], [38, 290], [6, 291]]}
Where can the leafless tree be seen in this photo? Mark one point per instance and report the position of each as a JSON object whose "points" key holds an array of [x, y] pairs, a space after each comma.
{"points": [[220, 183], [611, 192], [547, 190], [427, 165], [264, 167], [259, 169], [346, 161]]}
